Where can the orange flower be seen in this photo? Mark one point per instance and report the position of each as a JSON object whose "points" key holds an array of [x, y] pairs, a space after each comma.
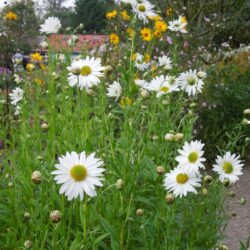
{"points": [[161, 26], [11, 16]]}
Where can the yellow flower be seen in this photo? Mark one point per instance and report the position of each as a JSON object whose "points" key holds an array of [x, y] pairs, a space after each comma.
{"points": [[161, 26], [39, 81], [134, 56], [169, 11], [183, 19], [11, 16], [155, 18], [146, 34], [30, 66], [146, 58], [125, 15], [36, 57], [111, 15], [125, 101], [114, 38], [130, 32], [42, 66]]}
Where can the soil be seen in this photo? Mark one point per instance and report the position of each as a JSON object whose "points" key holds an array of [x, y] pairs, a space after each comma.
{"points": [[238, 228]]}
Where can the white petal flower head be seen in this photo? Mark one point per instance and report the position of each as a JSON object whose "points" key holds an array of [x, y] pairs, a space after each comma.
{"points": [[85, 73], [16, 95], [143, 10], [190, 82], [141, 83], [190, 157], [140, 63], [178, 25], [180, 182], [165, 62], [51, 25], [78, 174], [161, 85], [229, 167], [114, 90]]}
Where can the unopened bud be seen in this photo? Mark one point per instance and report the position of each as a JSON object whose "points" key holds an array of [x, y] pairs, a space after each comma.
{"points": [[169, 137], [120, 184], [155, 137], [233, 213], [242, 201], [139, 212], [27, 244], [246, 112], [178, 136], [76, 71], [208, 179], [160, 170], [36, 177], [226, 183], [204, 191], [170, 198], [55, 216], [45, 127], [231, 193], [26, 216]]}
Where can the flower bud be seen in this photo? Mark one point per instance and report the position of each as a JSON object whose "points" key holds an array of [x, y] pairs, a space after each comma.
{"points": [[45, 127], [155, 137], [231, 193], [192, 105], [144, 93], [242, 201], [27, 244], [226, 183], [169, 137], [245, 122], [201, 74], [246, 112], [26, 216], [120, 184], [208, 179], [178, 136], [36, 177], [165, 102], [55, 216], [170, 198], [160, 170], [204, 191], [39, 157], [139, 212]]}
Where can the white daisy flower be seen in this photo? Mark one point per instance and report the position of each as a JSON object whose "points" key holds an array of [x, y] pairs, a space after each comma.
{"points": [[16, 95], [180, 182], [228, 167], [85, 73], [78, 174], [165, 61], [190, 82], [51, 25], [141, 83], [114, 90], [161, 85], [140, 63], [178, 25], [191, 156], [143, 10]]}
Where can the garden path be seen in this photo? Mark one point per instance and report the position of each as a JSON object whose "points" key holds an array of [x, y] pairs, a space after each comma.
{"points": [[238, 228]]}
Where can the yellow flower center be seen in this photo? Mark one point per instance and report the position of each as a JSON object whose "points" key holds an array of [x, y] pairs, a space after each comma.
{"points": [[164, 89], [228, 168], [182, 178], [191, 81], [86, 70], [78, 172], [141, 8], [192, 157]]}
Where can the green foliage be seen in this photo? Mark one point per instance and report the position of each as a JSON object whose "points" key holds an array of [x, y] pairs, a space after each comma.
{"points": [[26, 26], [91, 14], [221, 108]]}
